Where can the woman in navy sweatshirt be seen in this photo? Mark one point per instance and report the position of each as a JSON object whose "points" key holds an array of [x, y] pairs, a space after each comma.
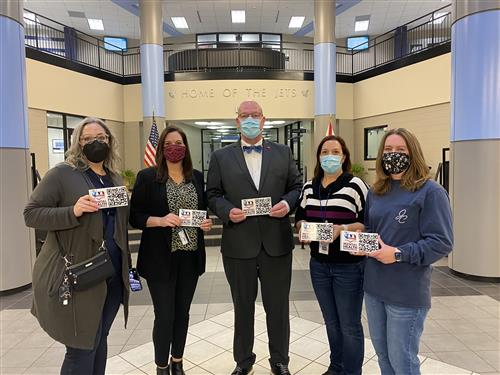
{"points": [[412, 216]]}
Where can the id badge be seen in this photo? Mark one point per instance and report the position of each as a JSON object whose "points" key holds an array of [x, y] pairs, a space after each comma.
{"points": [[323, 247], [184, 237]]}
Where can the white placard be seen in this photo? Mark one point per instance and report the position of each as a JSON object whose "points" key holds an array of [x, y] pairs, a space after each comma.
{"points": [[110, 197], [316, 232], [256, 206], [192, 218], [358, 241]]}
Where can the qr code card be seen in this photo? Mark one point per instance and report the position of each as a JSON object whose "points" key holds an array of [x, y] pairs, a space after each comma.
{"points": [[110, 197], [316, 232], [256, 206], [192, 218], [358, 242]]}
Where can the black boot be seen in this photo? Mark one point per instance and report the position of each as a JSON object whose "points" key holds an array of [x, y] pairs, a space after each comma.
{"points": [[176, 368], [163, 371]]}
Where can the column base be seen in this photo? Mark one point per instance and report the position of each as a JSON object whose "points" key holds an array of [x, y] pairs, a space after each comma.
{"points": [[475, 278], [14, 290]]}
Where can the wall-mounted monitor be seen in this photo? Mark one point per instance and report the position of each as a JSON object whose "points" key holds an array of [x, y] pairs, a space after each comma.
{"points": [[115, 44], [357, 43]]}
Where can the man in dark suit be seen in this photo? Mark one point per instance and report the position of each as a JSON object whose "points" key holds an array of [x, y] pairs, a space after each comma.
{"points": [[256, 247]]}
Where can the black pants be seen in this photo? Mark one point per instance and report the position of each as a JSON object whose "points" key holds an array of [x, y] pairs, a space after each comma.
{"points": [[171, 301], [85, 362], [275, 275]]}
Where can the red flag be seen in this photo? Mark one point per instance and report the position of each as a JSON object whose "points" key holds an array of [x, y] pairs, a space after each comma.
{"points": [[329, 129], [150, 151]]}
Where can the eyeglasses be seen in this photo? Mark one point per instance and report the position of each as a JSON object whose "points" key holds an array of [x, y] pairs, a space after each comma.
{"points": [[246, 115], [102, 138]]}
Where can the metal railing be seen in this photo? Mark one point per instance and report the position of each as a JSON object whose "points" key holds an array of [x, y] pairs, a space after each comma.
{"points": [[419, 35]]}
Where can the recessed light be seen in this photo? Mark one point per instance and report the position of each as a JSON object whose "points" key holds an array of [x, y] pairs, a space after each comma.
{"points": [[213, 123], [95, 24], [438, 18], [361, 25], [180, 22], [238, 16], [296, 22]]}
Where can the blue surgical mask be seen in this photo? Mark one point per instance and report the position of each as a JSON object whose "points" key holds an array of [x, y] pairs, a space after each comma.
{"points": [[250, 127], [330, 163]]}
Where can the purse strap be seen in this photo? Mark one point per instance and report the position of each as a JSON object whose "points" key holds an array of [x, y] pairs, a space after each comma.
{"points": [[63, 255]]}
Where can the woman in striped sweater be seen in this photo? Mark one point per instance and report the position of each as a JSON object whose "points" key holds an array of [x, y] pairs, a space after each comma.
{"points": [[334, 195]]}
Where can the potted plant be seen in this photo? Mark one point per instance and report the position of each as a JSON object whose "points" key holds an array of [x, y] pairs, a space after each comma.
{"points": [[129, 178], [358, 170]]}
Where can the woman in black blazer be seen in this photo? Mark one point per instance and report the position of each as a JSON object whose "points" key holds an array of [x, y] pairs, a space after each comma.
{"points": [[171, 257]]}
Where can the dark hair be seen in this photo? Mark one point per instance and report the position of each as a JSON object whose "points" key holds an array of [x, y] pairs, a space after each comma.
{"points": [[161, 163], [346, 165]]}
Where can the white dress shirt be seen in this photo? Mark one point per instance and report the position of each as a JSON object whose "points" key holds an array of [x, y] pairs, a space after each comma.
{"points": [[254, 162]]}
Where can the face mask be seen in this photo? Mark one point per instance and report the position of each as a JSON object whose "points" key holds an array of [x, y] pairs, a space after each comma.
{"points": [[250, 127], [96, 151], [330, 163], [395, 162], [174, 153]]}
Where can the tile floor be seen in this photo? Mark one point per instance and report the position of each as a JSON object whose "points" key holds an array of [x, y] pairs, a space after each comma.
{"points": [[461, 336]]}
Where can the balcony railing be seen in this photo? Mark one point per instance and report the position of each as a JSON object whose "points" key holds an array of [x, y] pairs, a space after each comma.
{"points": [[414, 37]]}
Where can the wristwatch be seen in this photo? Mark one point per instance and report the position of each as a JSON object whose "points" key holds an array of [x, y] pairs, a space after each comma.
{"points": [[397, 255]]}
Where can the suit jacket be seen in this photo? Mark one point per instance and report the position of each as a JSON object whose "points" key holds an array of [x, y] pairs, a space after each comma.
{"points": [[149, 198], [51, 208], [229, 181]]}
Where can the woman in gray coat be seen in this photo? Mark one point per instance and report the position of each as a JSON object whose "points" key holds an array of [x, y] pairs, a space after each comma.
{"points": [[61, 204]]}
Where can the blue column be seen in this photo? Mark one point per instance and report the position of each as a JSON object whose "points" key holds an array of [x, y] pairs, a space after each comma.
{"points": [[325, 67], [15, 238], [475, 138]]}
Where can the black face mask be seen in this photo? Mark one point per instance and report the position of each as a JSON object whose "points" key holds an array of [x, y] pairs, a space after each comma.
{"points": [[96, 151], [395, 162]]}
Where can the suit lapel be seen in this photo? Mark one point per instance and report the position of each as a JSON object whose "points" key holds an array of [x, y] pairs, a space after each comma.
{"points": [[266, 160], [238, 153]]}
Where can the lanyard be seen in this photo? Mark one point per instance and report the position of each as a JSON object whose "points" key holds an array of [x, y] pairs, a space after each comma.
{"points": [[322, 209]]}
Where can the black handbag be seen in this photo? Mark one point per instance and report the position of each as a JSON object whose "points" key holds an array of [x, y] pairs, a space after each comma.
{"points": [[88, 273]]}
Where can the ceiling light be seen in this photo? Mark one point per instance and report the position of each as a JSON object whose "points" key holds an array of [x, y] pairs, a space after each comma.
{"points": [[296, 22], [223, 130], [30, 18], [213, 127], [276, 122], [268, 126], [213, 123], [95, 24], [438, 18], [180, 22], [361, 25], [238, 16]]}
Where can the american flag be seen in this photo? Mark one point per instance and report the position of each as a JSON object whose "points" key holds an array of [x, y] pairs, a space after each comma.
{"points": [[329, 129], [150, 151]]}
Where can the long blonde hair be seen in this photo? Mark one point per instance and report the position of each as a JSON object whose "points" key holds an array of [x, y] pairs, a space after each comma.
{"points": [[416, 174], [75, 156]]}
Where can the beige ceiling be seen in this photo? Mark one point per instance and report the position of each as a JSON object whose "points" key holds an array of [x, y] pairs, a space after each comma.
{"points": [[261, 15]]}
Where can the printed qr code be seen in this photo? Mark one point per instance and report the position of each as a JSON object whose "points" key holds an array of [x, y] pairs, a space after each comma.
{"points": [[324, 232], [198, 217], [368, 242], [262, 206], [117, 196]]}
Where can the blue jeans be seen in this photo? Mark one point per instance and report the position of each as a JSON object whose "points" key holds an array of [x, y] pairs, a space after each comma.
{"points": [[339, 290], [395, 332]]}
